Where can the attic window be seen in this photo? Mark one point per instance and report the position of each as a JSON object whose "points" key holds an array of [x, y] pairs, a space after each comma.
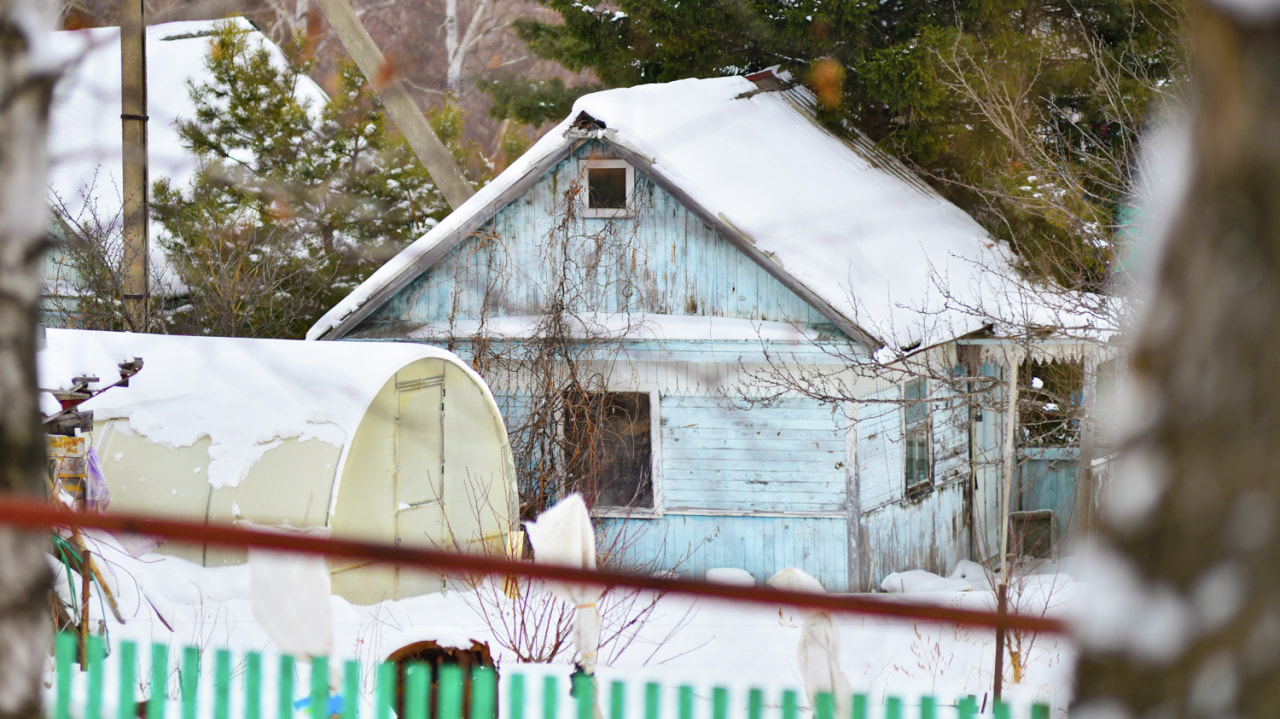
{"points": [[609, 186]]}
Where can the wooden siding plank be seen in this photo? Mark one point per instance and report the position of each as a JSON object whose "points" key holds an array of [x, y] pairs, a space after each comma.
{"points": [[728, 453], [880, 456], [750, 466]]}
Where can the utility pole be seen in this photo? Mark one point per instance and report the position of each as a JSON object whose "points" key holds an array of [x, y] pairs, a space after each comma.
{"points": [[135, 270], [400, 105]]}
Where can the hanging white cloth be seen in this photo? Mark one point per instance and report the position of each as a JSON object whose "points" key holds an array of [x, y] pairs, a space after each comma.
{"points": [[819, 651], [562, 535], [291, 596]]}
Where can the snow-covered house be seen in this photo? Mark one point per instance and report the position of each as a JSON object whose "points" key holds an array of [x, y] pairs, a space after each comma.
{"points": [[86, 147], [682, 252]]}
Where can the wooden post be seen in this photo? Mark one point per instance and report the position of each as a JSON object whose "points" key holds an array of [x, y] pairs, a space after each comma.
{"points": [[1002, 610], [1010, 433], [1086, 487], [135, 271], [400, 106], [86, 580]]}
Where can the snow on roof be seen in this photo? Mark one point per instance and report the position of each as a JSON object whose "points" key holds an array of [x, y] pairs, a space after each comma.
{"points": [[243, 394], [844, 221], [85, 126]]}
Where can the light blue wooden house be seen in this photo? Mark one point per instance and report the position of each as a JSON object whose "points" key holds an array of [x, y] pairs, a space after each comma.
{"points": [[726, 281]]}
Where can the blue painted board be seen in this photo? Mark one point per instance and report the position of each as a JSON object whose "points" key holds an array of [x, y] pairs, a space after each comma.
{"points": [[692, 544]]}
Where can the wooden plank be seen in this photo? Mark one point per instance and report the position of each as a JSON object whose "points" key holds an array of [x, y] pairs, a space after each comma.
{"points": [[917, 535], [732, 453], [772, 445], [765, 499], [744, 508], [691, 427], [695, 420], [400, 106], [751, 479], [760, 545]]}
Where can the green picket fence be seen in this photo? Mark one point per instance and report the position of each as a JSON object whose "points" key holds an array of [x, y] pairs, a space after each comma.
{"points": [[451, 692]]}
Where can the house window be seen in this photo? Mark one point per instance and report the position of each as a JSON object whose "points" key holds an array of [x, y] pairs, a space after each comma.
{"points": [[609, 448], [915, 433], [609, 185]]}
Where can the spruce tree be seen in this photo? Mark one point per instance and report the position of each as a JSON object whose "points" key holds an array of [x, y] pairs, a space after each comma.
{"points": [[291, 205], [1024, 113]]}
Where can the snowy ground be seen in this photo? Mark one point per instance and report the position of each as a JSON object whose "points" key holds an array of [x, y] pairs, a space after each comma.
{"points": [[699, 642]]}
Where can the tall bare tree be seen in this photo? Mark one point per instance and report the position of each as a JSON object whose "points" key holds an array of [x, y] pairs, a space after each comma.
{"points": [[1192, 533], [26, 86]]}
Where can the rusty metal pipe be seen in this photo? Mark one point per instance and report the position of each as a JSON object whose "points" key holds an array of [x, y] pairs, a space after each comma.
{"points": [[34, 514]]}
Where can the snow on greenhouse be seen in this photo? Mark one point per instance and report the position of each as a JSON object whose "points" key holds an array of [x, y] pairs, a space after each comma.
{"points": [[374, 441]]}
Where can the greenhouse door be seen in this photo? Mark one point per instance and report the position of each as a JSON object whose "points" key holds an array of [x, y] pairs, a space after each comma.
{"points": [[419, 482]]}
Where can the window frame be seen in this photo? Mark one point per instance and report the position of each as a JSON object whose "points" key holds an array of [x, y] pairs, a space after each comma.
{"points": [[607, 212], [655, 461], [912, 428]]}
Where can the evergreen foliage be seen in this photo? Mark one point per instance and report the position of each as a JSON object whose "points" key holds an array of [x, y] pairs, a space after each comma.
{"points": [[291, 205], [1023, 112]]}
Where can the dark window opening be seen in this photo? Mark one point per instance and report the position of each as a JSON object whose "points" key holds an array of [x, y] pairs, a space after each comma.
{"points": [[607, 188], [1031, 533], [1049, 402], [916, 436], [609, 450]]}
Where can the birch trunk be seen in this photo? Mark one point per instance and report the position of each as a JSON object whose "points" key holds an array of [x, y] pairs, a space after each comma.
{"points": [[25, 635], [453, 76], [1199, 536], [458, 48]]}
